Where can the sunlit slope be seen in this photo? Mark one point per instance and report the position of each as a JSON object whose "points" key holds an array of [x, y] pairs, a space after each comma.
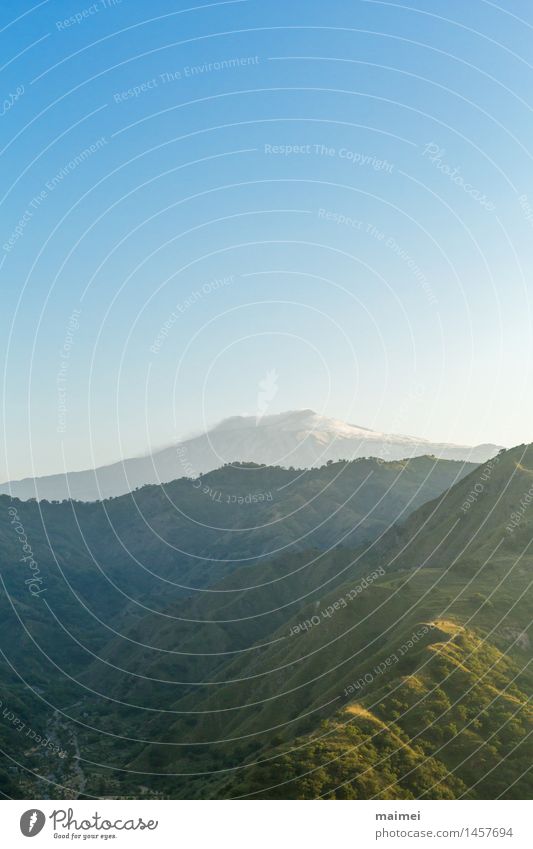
{"points": [[456, 727]]}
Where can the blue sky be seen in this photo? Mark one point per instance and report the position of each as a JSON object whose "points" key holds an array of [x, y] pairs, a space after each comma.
{"points": [[340, 194]]}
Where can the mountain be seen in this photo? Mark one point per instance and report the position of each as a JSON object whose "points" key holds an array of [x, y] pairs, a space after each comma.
{"points": [[297, 439]]}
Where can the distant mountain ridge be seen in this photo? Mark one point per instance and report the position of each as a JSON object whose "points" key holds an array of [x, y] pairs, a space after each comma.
{"points": [[297, 438]]}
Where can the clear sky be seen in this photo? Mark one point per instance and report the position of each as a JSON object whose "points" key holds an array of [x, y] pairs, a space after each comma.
{"points": [[332, 199]]}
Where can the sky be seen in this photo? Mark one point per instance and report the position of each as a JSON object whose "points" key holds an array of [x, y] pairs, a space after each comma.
{"points": [[209, 210]]}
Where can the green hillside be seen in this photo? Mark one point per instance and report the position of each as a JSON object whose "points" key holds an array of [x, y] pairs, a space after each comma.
{"points": [[456, 727]]}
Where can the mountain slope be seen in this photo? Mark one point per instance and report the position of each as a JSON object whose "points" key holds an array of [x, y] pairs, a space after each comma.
{"points": [[442, 731]]}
